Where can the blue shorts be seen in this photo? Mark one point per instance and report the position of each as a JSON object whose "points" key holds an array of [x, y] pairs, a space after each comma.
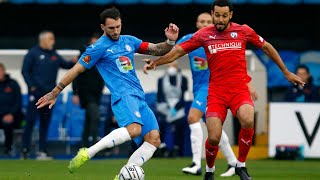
{"points": [[132, 109], [200, 101]]}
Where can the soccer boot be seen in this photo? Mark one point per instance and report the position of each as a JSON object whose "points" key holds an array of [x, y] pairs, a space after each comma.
{"points": [[209, 176], [192, 169], [116, 178], [80, 159], [243, 173], [229, 172]]}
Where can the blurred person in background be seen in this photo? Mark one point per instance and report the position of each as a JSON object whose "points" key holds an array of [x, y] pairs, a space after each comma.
{"points": [[10, 107], [225, 46], [200, 76], [171, 107], [87, 90], [307, 93], [40, 68]]}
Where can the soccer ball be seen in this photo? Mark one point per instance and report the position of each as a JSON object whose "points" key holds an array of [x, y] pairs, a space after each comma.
{"points": [[131, 172]]}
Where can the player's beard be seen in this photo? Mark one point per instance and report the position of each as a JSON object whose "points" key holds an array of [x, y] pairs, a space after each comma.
{"points": [[220, 29], [113, 38]]}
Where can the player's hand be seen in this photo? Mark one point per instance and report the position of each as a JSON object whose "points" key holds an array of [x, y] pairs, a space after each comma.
{"points": [[294, 79], [48, 99], [150, 65], [172, 32], [253, 92]]}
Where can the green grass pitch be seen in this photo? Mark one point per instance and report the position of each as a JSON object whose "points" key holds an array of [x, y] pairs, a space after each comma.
{"points": [[155, 169]]}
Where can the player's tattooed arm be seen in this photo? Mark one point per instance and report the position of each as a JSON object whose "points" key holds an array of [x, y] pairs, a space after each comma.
{"points": [[51, 97], [158, 49]]}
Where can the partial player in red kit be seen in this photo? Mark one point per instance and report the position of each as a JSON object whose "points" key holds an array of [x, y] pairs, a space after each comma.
{"points": [[225, 45]]}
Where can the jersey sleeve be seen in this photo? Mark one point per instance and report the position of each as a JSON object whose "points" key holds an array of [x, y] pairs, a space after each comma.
{"points": [[183, 39], [253, 38], [136, 42], [91, 56], [192, 44]]}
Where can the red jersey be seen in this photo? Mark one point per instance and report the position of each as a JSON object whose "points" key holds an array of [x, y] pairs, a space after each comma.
{"points": [[225, 52]]}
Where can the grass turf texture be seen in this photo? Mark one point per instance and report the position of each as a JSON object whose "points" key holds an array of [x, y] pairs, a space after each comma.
{"points": [[155, 169]]}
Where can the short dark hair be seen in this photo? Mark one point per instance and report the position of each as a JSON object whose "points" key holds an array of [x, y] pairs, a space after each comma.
{"points": [[222, 3], [112, 13], [302, 66]]}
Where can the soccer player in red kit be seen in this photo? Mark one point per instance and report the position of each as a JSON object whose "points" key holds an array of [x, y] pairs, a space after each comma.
{"points": [[225, 44]]}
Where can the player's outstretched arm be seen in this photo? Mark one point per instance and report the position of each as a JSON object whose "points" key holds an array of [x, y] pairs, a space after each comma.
{"points": [[274, 55], [51, 97], [174, 54], [159, 49]]}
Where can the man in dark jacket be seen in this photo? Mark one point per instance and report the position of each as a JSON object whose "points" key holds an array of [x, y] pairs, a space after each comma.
{"points": [[307, 93], [40, 68], [87, 88], [10, 107]]}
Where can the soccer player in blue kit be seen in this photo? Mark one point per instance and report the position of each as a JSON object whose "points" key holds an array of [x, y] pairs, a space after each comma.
{"points": [[113, 55]]}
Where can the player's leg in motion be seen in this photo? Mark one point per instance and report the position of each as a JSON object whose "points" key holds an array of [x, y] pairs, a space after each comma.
{"points": [[147, 149], [245, 114], [114, 138], [226, 150], [196, 137], [214, 127]]}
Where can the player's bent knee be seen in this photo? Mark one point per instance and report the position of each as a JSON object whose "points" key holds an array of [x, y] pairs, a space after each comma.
{"points": [[134, 130], [153, 137], [193, 119]]}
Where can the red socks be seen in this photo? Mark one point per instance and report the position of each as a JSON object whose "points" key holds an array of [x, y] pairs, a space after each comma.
{"points": [[244, 141], [211, 154]]}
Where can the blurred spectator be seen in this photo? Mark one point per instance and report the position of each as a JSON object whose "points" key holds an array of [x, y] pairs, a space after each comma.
{"points": [[40, 68], [10, 107], [307, 93], [170, 105], [87, 88]]}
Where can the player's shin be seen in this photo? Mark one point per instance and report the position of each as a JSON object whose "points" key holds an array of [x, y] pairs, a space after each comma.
{"points": [[211, 154], [245, 141], [142, 154], [116, 137], [196, 137]]}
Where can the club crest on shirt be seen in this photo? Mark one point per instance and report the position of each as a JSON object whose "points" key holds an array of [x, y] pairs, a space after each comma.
{"points": [[124, 64], [128, 48], [234, 35], [86, 59], [200, 63]]}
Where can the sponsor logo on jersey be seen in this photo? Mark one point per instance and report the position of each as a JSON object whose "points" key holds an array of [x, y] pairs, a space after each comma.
{"points": [[86, 59], [214, 48], [124, 64], [200, 63], [137, 114]]}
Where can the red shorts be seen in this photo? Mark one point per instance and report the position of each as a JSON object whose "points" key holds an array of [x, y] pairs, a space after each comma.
{"points": [[222, 98]]}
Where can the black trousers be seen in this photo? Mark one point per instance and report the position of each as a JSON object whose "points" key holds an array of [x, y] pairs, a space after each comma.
{"points": [[8, 132]]}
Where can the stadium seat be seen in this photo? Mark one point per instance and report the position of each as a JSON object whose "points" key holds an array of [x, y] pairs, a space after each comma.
{"points": [[99, 2], [291, 2], [121, 2], [314, 68], [261, 1], [275, 76], [21, 1], [310, 56], [311, 1], [153, 1], [57, 118], [239, 1], [179, 1], [47, 1], [74, 1], [74, 122]]}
